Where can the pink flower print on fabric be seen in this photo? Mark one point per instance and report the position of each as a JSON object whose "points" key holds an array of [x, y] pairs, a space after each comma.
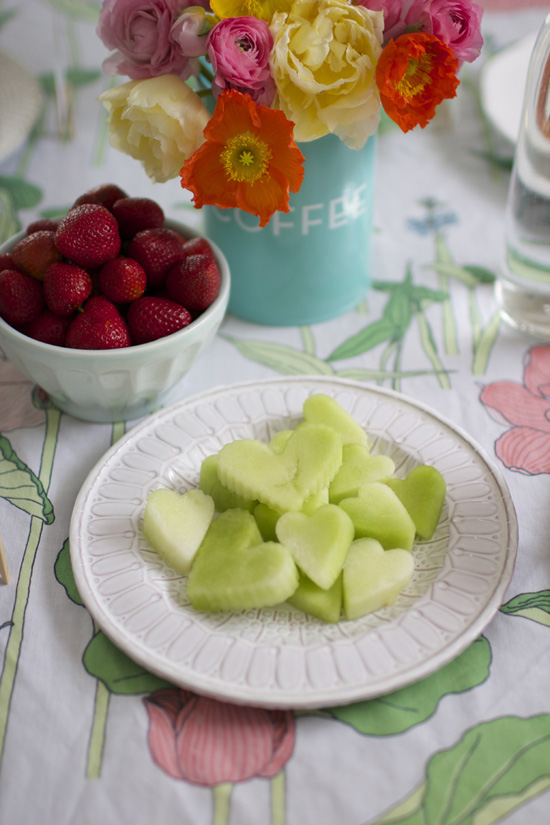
{"points": [[208, 742], [525, 447]]}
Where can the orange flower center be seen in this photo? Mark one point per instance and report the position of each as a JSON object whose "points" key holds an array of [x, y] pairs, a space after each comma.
{"points": [[246, 158], [416, 76]]}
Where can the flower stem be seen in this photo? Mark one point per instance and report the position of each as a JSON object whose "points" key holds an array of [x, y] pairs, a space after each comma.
{"points": [[13, 647], [443, 256], [278, 789], [222, 797], [97, 736]]}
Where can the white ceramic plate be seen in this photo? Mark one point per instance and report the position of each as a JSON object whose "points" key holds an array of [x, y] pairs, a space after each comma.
{"points": [[502, 86], [279, 657]]}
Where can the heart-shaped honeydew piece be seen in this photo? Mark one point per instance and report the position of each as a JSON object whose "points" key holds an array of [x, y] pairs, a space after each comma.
{"points": [[319, 542], [235, 570], [358, 467], [322, 409], [373, 577], [175, 525], [315, 601], [377, 513], [224, 499], [423, 495], [308, 463]]}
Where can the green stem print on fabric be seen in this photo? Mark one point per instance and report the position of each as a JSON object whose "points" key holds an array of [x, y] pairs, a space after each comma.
{"points": [[533, 606], [493, 769], [29, 493], [113, 670]]}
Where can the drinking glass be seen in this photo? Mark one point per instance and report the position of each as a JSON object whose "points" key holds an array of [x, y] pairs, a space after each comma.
{"points": [[523, 285]]}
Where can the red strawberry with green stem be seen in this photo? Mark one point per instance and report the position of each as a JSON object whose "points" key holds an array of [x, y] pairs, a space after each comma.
{"points": [[88, 236], [66, 287], [122, 280], [105, 195], [150, 318], [157, 250], [194, 282], [34, 253], [98, 326], [21, 297], [136, 214], [49, 328]]}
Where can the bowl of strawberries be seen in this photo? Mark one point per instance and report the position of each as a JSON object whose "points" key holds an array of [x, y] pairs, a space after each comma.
{"points": [[107, 307]]}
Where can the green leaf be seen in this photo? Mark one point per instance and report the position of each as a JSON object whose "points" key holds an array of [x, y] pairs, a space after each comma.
{"points": [[423, 295], [23, 195], [499, 161], [403, 709], [64, 574], [470, 276], [81, 77], [481, 274], [9, 222], [77, 9], [496, 767], [6, 15], [20, 486], [534, 606], [398, 312], [103, 660], [281, 358], [365, 340]]}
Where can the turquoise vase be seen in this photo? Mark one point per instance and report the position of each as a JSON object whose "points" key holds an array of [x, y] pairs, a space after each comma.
{"points": [[312, 263]]}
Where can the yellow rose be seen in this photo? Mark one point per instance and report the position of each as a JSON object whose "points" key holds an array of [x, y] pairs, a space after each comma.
{"points": [[158, 121], [324, 62]]}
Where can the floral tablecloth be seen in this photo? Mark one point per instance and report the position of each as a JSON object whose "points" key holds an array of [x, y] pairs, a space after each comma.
{"points": [[88, 736]]}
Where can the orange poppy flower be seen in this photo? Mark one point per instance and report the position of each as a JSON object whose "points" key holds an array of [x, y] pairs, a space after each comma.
{"points": [[249, 159], [414, 74]]}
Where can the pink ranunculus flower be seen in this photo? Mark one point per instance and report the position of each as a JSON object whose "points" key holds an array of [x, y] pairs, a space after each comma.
{"points": [[139, 31], [239, 49], [400, 16], [208, 742], [525, 447], [458, 24], [190, 30]]}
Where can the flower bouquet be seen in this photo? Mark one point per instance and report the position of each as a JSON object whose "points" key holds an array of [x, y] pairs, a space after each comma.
{"points": [[232, 96]]}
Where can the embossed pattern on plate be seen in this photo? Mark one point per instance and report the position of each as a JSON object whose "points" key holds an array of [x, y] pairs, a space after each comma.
{"points": [[279, 657]]}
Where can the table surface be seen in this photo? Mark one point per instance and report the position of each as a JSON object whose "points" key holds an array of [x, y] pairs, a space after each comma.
{"points": [[87, 735]]}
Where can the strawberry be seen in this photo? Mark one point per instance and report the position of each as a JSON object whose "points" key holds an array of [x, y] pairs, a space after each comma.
{"points": [[98, 326], [21, 298], [194, 282], [49, 328], [198, 246], [42, 224], [157, 250], [6, 261], [34, 253], [105, 195], [122, 280], [88, 235], [66, 286], [135, 214], [150, 318]]}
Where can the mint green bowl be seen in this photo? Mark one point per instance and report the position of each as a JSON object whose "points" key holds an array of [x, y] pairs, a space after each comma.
{"points": [[116, 385]]}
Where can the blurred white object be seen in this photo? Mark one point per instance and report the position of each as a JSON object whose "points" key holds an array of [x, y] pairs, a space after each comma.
{"points": [[20, 102], [502, 86]]}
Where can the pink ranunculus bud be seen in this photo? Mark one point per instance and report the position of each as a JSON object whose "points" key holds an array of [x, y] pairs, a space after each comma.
{"points": [[400, 16], [458, 24], [190, 30], [207, 742], [239, 50], [139, 32]]}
